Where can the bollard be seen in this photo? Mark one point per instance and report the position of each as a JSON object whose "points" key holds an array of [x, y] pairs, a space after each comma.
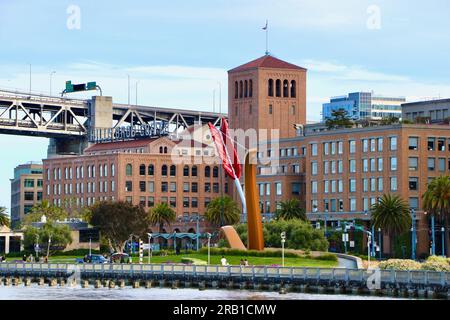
{"points": [[52, 282], [62, 283], [122, 283], [421, 293], [7, 281], [214, 284], [84, 283], [136, 284], [230, 285], [111, 284], [162, 283], [187, 284], [106, 283], [201, 285], [97, 284], [15, 282], [41, 281], [27, 282], [174, 284], [148, 284]]}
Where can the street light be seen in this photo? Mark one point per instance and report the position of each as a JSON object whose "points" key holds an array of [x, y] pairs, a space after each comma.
{"points": [[51, 74], [209, 246], [433, 235], [90, 246], [369, 241], [283, 240], [175, 241], [36, 246], [48, 247], [443, 241], [149, 247], [413, 234]]}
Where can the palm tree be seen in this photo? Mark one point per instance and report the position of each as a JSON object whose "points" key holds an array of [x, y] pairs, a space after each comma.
{"points": [[391, 214], [223, 211], [162, 214], [4, 217], [436, 200], [291, 209]]}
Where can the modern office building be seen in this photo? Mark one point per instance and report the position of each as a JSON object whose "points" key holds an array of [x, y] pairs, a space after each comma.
{"points": [[182, 172], [364, 106], [431, 111], [26, 190]]}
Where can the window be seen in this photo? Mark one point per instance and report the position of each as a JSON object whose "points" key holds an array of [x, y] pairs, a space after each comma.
{"points": [[380, 164], [128, 170], [340, 147], [207, 187], [380, 184], [194, 202], [365, 145], [278, 88], [128, 186], [173, 202], [207, 171], [326, 186], [194, 187], [314, 205], [365, 185], [352, 205], [393, 163], [142, 201], [380, 144], [352, 146], [340, 166], [28, 183], [293, 89], [142, 186], [431, 164], [413, 163], [113, 170], [372, 145], [333, 148], [393, 181], [185, 202], [267, 189], [326, 150], [340, 186], [173, 171], [313, 186], [39, 196], [186, 171], [414, 203], [285, 89], [430, 144], [236, 90], [151, 170], [173, 187], [393, 143], [142, 170], [296, 188], [29, 196], [413, 184], [245, 89], [278, 188], [413, 143], [373, 184], [352, 166], [215, 172], [164, 186], [352, 185], [270, 109], [314, 149], [333, 167], [441, 144], [270, 88], [250, 89], [150, 201], [186, 187], [365, 165], [215, 187], [442, 164], [164, 170], [151, 186], [372, 165], [314, 168], [194, 171]]}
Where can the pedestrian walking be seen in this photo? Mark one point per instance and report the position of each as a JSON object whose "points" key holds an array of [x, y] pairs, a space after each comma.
{"points": [[246, 262], [223, 261]]}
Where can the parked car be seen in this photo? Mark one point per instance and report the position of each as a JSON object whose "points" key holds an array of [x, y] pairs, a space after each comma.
{"points": [[119, 258], [94, 258]]}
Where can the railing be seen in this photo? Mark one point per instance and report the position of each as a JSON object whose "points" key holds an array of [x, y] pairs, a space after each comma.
{"points": [[315, 275]]}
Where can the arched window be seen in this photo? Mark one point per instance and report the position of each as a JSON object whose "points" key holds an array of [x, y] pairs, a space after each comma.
{"points": [[236, 91], [250, 88], [215, 172], [129, 170], [173, 171], [164, 170], [270, 88], [278, 88], [245, 89], [142, 170], [194, 171], [241, 89], [161, 149], [150, 170], [100, 170], [293, 89], [113, 170], [165, 149], [285, 88], [186, 171], [207, 171], [105, 169]]}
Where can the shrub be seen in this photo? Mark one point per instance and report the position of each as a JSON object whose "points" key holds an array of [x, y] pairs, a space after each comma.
{"points": [[193, 261], [223, 243], [327, 257], [399, 264], [435, 263]]}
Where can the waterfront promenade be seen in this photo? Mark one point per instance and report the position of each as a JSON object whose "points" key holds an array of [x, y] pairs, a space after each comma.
{"points": [[422, 284]]}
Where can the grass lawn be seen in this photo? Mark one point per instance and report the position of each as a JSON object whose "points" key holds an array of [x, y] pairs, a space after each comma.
{"points": [[215, 260]]}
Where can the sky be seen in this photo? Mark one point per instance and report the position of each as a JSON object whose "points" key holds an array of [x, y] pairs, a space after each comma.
{"points": [[179, 51]]}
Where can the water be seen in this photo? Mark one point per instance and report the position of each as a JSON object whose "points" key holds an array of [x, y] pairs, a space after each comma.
{"points": [[36, 292]]}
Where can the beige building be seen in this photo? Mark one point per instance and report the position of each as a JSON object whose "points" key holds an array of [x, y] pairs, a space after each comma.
{"points": [[26, 190]]}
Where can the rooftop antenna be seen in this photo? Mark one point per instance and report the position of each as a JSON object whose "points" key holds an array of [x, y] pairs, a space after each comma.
{"points": [[266, 28]]}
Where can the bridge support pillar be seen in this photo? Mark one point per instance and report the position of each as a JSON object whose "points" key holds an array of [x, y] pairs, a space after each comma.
{"points": [[122, 283], [148, 284], [112, 284], [97, 284], [41, 281], [15, 281], [84, 283], [27, 282], [52, 282], [136, 284]]}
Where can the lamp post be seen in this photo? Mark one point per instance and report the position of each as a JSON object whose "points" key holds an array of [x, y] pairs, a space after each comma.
{"points": [[90, 246], [373, 242], [198, 232], [443, 241], [149, 247], [175, 241], [48, 246], [369, 241], [283, 240], [433, 237], [36, 246], [209, 246], [137, 82], [379, 242], [413, 234], [51, 75], [325, 225]]}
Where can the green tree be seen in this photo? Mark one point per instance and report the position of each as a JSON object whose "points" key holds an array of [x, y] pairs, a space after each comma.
{"points": [[291, 209], [4, 217], [59, 234], [339, 119], [436, 201], [162, 214], [51, 212], [117, 221], [223, 211], [391, 214]]}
